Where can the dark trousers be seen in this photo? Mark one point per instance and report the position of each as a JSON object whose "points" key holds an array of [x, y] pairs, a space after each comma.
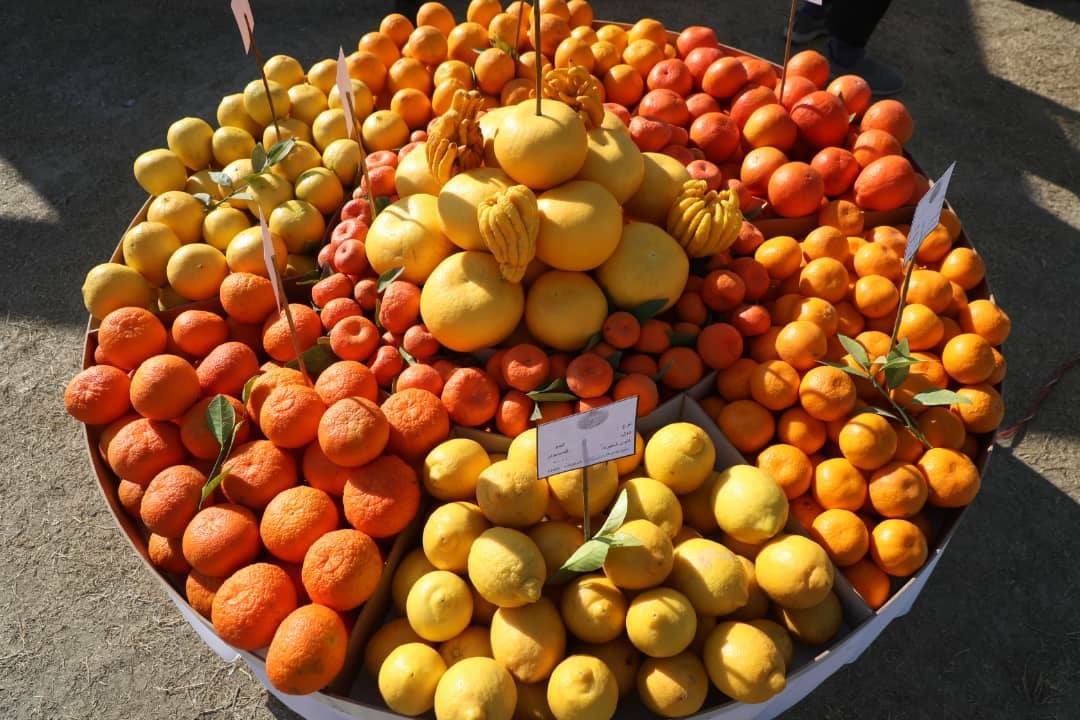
{"points": [[852, 21]]}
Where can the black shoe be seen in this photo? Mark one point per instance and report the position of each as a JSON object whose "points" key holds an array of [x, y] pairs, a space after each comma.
{"points": [[883, 79], [809, 24]]}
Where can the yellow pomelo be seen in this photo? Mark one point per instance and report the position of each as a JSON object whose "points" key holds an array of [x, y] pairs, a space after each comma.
{"points": [[460, 197], [385, 640], [473, 641], [673, 687], [302, 157], [489, 127], [412, 567], [511, 495], [523, 447], [384, 130], [329, 125], [580, 226], [110, 286], [343, 157], [817, 624], [147, 248], [413, 175], [564, 309], [647, 265], [190, 138], [613, 160], [306, 102], [652, 500], [660, 185], [594, 609], [439, 606], [451, 469], [710, 576], [181, 212], [557, 540], [222, 224], [159, 171], [230, 143], [408, 678], [299, 224], [257, 105], [744, 662], [284, 70], [603, 482], [196, 271], [321, 188], [465, 302], [476, 688], [642, 566], [506, 567], [449, 534], [748, 504], [231, 113], [408, 234], [529, 641], [582, 688], [794, 571], [681, 455], [245, 252], [541, 151]]}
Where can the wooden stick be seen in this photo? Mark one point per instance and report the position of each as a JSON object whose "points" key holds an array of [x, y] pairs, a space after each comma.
{"points": [[266, 83], [539, 61], [787, 49], [900, 305], [517, 31]]}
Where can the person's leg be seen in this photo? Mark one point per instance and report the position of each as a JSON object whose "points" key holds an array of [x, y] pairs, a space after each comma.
{"points": [[810, 23], [851, 22]]}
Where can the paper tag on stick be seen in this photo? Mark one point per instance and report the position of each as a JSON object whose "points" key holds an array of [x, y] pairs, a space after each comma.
{"points": [[927, 214], [344, 88], [245, 20], [588, 438], [269, 259]]}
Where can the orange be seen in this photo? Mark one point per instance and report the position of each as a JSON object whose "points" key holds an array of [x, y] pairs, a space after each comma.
{"points": [[849, 321], [470, 396], [748, 425], [109, 432], [838, 168], [867, 441], [437, 15], [775, 384], [251, 603], [320, 473], [98, 395], [763, 346], [898, 547], [294, 520], [839, 484], [733, 383], [354, 338], [885, 184], [513, 412], [494, 68], [921, 326], [719, 345], [165, 554], [841, 214], [418, 422], [524, 367], [482, 11], [227, 369], [824, 278], [642, 54], [266, 383], [758, 166], [873, 144], [827, 393], [382, 497], [822, 119], [780, 255], [426, 44], [342, 569], [898, 489], [129, 335], [381, 46], [968, 358], [876, 296], [685, 367], [163, 387], [878, 259], [964, 267], [200, 590], [575, 51], [796, 189], [621, 330], [623, 84], [221, 539], [257, 471], [1000, 369], [346, 378], [771, 126], [397, 27], [930, 288], [984, 410], [804, 509], [197, 332], [983, 317], [553, 30], [643, 387], [366, 67], [854, 91], [143, 448], [942, 428], [290, 415], [400, 306], [952, 477], [842, 534], [413, 106], [276, 339], [797, 427], [246, 297], [892, 117], [869, 581], [788, 466], [308, 650], [825, 241], [875, 342], [654, 337], [801, 343], [589, 376], [130, 496], [171, 500], [811, 65], [353, 431], [935, 246]]}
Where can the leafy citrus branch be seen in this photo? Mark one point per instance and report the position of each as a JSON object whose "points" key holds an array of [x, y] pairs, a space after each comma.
{"points": [[591, 555], [261, 163], [221, 418]]}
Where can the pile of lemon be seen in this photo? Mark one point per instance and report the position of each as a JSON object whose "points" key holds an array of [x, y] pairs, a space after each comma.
{"points": [[485, 630]]}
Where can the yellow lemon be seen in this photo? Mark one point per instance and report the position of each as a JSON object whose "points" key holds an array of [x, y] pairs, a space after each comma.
{"points": [[580, 226], [231, 113], [544, 150], [817, 624], [532, 702], [299, 265], [245, 252], [680, 455], [476, 688], [643, 566], [466, 303], [661, 183], [451, 469], [413, 175], [474, 641], [582, 688], [757, 602], [449, 534], [298, 224], [343, 157], [306, 102], [284, 129], [564, 309], [794, 571], [384, 130], [329, 126], [222, 224], [269, 191], [147, 248], [557, 541], [621, 657], [181, 212], [523, 447], [697, 510], [603, 482], [258, 105], [321, 188], [506, 567], [510, 494], [744, 662], [652, 500], [780, 637], [439, 606], [200, 182], [196, 271], [302, 157], [159, 171], [284, 70], [674, 686], [408, 678], [594, 609], [461, 196], [630, 463], [323, 74], [393, 634], [748, 504], [189, 138], [648, 264], [412, 567], [661, 622], [711, 576], [230, 143], [363, 100], [408, 234], [613, 160], [529, 641], [110, 286]]}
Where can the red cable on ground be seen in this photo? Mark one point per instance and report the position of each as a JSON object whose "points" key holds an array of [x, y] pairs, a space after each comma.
{"points": [[1016, 430]]}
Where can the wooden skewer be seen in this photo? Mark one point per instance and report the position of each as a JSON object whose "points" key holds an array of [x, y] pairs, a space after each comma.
{"points": [[266, 83], [787, 49], [539, 55]]}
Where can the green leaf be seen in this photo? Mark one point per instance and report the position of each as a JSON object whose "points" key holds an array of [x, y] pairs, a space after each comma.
{"points": [[614, 359], [618, 540], [896, 374], [258, 158], [682, 339], [539, 397], [221, 178], [406, 356], [215, 475], [617, 515], [537, 413], [594, 340], [381, 203], [221, 417], [388, 277], [280, 151], [247, 388], [856, 351], [590, 556], [556, 385], [245, 195], [378, 309], [930, 398], [309, 278], [204, 198], [316, 359], [846, 368], [504, 46], [663, 371], [902, 349], [648, 309], [871, 410]]}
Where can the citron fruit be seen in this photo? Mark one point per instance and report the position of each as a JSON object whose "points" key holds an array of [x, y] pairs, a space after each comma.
{"points": [[196, 271], [642, 566], [506, 567], [710, 576], [613, 160], [222, 224], [408, 234], [299, 224], [594, 609], [681, 455], [329, 126], [661, 622], [147, 248], [473, 641], [648, 264], [284, 70], [661, 183], [603, 482], [748, 504], [582, 688], [449, 533], [817, 624], [109, 286], [159, 171], [510, 494], [544, 150], [466, 303], [564, 309], [245, 252], [408, 678], [189, 139], [744, 662], [452, 468], [459, 199], [674, 686], [413, 175], [529, 641], [794, 571], [580, 225], [439, 606], [476, 688], [306, 102], [652, 500]]}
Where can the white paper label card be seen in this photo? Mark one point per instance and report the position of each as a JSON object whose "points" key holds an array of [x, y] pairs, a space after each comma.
{"points": [[588, 438], [927, 213], [269, 259], [245, 20], [345, 92]]}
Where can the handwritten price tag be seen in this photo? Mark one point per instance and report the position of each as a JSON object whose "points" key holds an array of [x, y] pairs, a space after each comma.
{"points": [[588, 438], [927, 214], [344, 88], [268, 258], [245, 20]]}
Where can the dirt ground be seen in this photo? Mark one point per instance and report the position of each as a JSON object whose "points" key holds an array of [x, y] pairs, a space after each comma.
{"points": [[85, 633]]}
